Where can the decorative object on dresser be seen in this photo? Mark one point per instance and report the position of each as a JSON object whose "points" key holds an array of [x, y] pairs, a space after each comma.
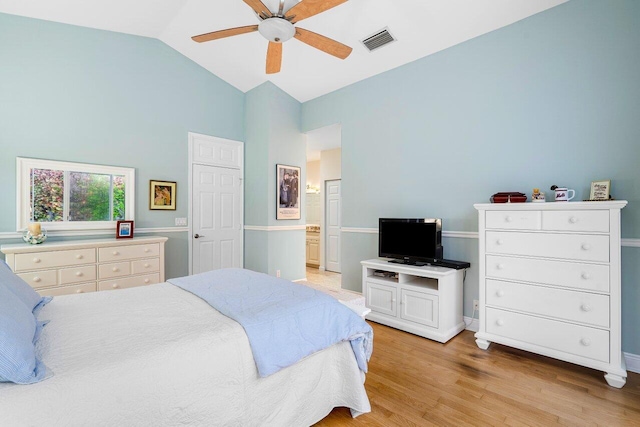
{"points": [[88, 265], [34, 234], [600, 190], [162, 195], [425, 301], [508, 197], [537, 196], [550, 282], [124, 230]]}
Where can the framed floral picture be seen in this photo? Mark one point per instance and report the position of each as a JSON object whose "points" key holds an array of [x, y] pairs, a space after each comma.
{"points": [[124, 230], [162, 195], [600, 190], [288, 192]]}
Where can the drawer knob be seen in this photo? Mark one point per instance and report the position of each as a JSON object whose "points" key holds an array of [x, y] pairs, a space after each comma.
{"points": [[585, 276], [500, 293], [573, 220], [114, 286], [146, 280], [114, 269], [393, 300], [36, 260], [508, 218], [500, 267], [586, 246], [79, 256], [115, 253], [499, 242], [500, 322], [146, 265], [36, 279], [78, 273], [79, 291], [147, 249], [585, 307], [585, 342]]}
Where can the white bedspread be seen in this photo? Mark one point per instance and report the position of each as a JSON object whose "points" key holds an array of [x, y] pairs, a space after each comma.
{"points": [[160, 356]]}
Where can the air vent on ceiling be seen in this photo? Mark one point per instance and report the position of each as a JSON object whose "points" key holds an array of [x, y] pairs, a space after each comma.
{"points": [[378, 39]]}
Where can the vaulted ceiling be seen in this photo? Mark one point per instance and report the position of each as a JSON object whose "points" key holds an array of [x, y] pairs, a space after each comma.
{"points": [[421, 27]]}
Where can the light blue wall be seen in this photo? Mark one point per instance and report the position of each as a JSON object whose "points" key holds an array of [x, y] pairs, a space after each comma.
{"points": [[552, 99], [83, 95], [272, 127]]}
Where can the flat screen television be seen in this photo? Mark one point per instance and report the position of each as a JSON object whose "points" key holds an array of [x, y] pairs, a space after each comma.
{"points": [[416, 241]]}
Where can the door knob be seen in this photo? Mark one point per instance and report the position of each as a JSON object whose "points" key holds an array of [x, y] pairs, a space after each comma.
{"points": [[197, 236]]}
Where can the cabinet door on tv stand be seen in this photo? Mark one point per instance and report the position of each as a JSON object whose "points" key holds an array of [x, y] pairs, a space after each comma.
{"points": [[381, 298]]}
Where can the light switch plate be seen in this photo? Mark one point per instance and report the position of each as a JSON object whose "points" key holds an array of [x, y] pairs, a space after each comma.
{"points": [[181, 222]]}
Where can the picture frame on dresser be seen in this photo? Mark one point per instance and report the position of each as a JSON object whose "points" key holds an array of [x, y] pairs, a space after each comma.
{"points": [[124, 229], [600, 190]]}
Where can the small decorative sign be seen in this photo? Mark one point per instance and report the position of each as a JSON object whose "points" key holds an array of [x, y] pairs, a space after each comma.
{"points": [[600, 190], [162, 195]]}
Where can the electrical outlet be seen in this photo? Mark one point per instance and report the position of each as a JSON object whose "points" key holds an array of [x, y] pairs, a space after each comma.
{"points": [[476, 305], [277, 273]]}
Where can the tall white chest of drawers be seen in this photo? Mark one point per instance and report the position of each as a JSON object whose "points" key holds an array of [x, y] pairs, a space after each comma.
{"points": [[550, 281], [59, 268]]}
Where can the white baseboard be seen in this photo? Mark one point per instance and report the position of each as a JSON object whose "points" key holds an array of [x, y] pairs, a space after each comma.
{"points": [[633, 360], [304, 279], [472, 324]]}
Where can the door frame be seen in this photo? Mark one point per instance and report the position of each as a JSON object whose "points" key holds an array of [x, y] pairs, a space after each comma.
{"points": [[192, 136]]}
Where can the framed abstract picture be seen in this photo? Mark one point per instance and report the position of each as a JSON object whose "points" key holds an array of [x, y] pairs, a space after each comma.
{"points": [[124, 230], [288, 192], [162, 195]]}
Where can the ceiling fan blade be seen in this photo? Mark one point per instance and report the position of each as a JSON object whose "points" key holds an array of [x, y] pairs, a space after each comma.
{"points": [[308, 8], [224, 33], [274, 57], [259, 8], [323, 43]]}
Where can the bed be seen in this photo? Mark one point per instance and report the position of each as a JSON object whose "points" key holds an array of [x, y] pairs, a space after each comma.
{"points": [[159, 355]]}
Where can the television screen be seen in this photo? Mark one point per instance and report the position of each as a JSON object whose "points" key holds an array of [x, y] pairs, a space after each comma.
{"points": [[410, 239]]}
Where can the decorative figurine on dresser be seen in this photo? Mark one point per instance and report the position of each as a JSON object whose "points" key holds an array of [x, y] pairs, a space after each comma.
{"points": [[550, 281]]}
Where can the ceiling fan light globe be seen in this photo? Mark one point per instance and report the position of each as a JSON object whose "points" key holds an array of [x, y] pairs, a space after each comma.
{"points": [[277, 30]]}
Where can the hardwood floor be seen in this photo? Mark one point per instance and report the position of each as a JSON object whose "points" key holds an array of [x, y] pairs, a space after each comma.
{"points": [[413, 381]]}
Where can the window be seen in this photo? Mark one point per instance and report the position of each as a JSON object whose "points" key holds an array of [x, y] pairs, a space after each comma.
{"points": [[73, 196]]}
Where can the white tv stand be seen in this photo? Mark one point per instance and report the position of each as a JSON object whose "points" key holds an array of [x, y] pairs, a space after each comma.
{"points": [[425, 301]]}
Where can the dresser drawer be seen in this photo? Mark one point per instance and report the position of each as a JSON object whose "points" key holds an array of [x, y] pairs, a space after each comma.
{"points": [[575, 306], [37, 260], [40, 279], [118, 253], [597, 221], [513, 220], [129, 282], [69, 290], [145, 266], [568, 274], [554, 335], [585, 247], [77, 274], [116, 269]]}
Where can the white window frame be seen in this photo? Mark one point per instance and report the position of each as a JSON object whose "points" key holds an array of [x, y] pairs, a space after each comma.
{"points": [[23, 189]]}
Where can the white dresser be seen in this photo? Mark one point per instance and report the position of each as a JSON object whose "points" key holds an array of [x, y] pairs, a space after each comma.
{"points": [[59, 268], [550, 281]]}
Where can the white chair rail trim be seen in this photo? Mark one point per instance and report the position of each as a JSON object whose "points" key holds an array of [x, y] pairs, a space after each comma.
{"points": [[71, 233], [275, 227], [634, 243]]}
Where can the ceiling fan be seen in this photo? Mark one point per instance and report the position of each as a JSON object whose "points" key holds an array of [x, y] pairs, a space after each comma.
{"points": [[280, 27]]}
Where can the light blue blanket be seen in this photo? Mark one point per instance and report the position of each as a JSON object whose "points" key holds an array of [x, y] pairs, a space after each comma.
{"points": [[283, 320]]}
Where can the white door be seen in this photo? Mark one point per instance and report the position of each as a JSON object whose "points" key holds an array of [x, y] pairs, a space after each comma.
{"points": [[332, 226], [217, 218]]}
